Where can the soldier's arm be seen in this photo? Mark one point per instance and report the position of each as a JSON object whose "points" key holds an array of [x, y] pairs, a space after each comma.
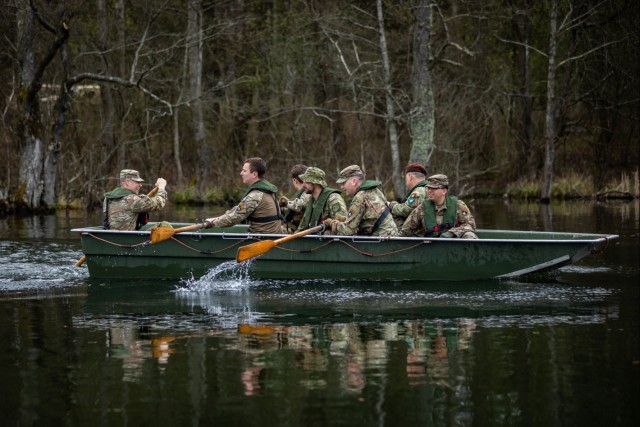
{"points": [[299, 204], [337, 206], [145, 203], [412, 227], [466, 220], [241, 211], [404, 209], [354, 216]]}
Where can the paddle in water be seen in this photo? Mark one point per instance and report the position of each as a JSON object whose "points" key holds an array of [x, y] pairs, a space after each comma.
{"points": [[256, 249]]}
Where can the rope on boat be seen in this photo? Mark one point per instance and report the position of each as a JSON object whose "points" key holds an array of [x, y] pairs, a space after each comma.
{"points": [[146, 242], [207, 252], [369, 254]]}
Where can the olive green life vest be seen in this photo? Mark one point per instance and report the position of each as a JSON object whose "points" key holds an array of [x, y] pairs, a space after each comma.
{"points": [[449, 219], [266, 187], [313, 211]]}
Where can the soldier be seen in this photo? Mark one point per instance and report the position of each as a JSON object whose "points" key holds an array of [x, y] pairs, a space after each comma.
{"points": [[368, 213], [125, 209], [259, 204], [415, 180], [325, 202], [294, 209], [441, 214]]}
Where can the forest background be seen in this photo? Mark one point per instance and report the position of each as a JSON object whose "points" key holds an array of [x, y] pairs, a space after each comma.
{"points": [[535, 99]]}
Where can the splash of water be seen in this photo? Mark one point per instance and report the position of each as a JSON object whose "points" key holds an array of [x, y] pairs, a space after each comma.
{"points": [[228, 275]]}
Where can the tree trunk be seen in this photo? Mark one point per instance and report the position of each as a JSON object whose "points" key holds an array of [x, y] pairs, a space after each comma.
{"points": [[29, 125], [422, 120], [31, 128], [550, 116], [398, 184], [122, 70], [108, 136], [194, 47]]}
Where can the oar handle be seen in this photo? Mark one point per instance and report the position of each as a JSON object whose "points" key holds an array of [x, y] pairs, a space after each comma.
{"points": [[191, 227], [311, 230]]}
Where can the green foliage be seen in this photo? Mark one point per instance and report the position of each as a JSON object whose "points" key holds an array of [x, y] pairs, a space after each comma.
{"points": [[184, 195]]}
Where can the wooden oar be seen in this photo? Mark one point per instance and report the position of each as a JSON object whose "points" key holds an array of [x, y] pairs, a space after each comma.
{"points": [[81, 261], [158, 234], [255, 249]]}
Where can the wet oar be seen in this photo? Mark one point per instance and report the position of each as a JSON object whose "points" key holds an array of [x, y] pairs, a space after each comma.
{"points": [[81, 261], [255, 249], [158, 234]]}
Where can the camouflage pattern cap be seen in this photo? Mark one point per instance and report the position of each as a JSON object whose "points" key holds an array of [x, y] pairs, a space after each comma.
{"points": [[348, 172], [130, 174], [314, 175], [438, 181]]}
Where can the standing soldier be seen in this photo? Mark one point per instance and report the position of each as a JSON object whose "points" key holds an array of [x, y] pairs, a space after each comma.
{"points": [[325, 202], [368, 213], [259, 204], [125, 209], [415, 180], [441, 214]]}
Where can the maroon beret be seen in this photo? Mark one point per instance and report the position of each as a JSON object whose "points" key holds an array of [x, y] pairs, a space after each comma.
{"points": [[415, 167]]}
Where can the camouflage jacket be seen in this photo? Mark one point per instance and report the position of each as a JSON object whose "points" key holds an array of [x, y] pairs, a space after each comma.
{"points": [[259, 207], [415, 196], [122, 207], [366, 208], [295, 209], [329, 204], [464, 228]]}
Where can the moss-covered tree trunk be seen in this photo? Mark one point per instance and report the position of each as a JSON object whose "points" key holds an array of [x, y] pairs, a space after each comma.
{"points": [[422, 120]]}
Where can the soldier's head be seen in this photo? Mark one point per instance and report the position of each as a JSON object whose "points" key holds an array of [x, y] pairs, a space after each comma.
{"points": [[296, 171], [253, 170], [414, 173], [437, 188], [350, 179], [131, 180], [311, 178]]}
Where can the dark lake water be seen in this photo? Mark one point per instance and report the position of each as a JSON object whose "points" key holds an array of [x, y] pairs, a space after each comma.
{"points": [[558, 350]]}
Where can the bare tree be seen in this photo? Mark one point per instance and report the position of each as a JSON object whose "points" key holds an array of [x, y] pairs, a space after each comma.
{"points": [[422, 119], [398, 184]]}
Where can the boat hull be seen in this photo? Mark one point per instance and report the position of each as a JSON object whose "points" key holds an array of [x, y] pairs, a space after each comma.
{"points": [[496, 254]]}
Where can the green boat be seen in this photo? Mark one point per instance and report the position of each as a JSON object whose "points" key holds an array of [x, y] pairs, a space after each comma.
{"points": [[495, 254]]}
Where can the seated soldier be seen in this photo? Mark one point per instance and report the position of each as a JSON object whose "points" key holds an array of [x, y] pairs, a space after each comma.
{"points": [[441, 214]]}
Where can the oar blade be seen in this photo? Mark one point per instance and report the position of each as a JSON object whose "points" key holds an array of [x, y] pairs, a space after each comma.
{"points": [[159, 234], [253, 250]]}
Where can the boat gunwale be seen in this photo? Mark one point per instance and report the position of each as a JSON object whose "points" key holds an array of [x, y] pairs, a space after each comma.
{"points": [[578, 237]]}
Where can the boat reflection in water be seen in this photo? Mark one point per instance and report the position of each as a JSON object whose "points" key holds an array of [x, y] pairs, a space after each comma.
{"points": [[322, 334]]}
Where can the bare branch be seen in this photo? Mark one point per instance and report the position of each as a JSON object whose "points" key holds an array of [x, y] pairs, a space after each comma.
{"points": [[586, 53]]}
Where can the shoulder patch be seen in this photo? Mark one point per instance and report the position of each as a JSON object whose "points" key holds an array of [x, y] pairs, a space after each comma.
{"points": [[333, 196], [241, 207], [412, 198]]}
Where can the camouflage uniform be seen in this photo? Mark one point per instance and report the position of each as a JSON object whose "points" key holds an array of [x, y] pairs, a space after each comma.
{"points": [[295, 209], [402, 210], [255, 204], [122, 207], [367, 206], [465, 225], [329, 203]]}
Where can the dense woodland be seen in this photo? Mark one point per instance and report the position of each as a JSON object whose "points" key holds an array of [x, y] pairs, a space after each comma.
{"points": [[500, 95]]}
